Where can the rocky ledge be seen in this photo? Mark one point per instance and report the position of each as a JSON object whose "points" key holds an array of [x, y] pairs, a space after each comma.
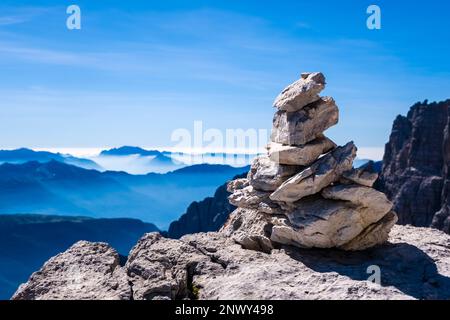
{"points": [[414, 264]]}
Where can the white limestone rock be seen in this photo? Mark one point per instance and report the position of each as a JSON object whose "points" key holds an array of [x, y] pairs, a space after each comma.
{"points": [[303, 126], [360, 195], [365, 175], [267, 175], [86, 271], [301, 93], [301, 155], [321, 174]]}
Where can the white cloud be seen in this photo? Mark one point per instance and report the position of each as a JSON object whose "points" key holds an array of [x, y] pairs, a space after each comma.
{"points": [[77, 152], [371, 153], [13, 15], [17, 51], [9, 20]]}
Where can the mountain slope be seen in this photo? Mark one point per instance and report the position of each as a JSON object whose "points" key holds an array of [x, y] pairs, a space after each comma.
{"points": [[27, 241], [58, 188], [207, 215]]}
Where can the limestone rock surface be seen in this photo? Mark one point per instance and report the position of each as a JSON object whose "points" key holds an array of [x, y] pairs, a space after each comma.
{"points": [[324, 223], [300, 155], [86, 271], [268, 175], [321, 174], [303, 126], [365, 175], [301, 93], [414, 264]]}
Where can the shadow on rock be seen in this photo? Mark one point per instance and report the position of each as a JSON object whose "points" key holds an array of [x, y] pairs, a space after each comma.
{"points": [[402, 266]]}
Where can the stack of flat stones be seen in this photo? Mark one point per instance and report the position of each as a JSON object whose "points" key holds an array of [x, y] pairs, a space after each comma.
{"points": [[305, 192]]}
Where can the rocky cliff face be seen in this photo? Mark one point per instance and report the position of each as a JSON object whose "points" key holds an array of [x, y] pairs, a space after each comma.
{"points": [[442, 218], [415, 264], [204, 216], [416, 166]]}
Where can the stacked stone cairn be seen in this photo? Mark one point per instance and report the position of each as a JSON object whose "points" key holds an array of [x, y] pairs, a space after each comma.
{"points": [[305, 191]]}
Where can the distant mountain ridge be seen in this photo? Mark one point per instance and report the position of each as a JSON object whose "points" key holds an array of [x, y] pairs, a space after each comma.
{"points": [[23, 155], [136, 157], [128, 150], [169, 160], [204, 168], [133, 150]]}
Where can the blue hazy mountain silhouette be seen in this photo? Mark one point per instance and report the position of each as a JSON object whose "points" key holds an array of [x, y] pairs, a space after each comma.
{"points": [[58, 188], [137, 160], [27, 241], [146, 160], [162, 161], [205, 168], [128, 151], [24, 155]]}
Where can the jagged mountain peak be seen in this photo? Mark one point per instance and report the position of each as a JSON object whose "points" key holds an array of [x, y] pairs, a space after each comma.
{"points": [[415, 166]]}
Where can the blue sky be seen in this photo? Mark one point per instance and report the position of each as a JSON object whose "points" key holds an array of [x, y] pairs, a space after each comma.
{"points": [[138, 70]]}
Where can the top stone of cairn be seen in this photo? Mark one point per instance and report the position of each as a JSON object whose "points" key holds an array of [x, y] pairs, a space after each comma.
{"points": [[301, 93]]}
